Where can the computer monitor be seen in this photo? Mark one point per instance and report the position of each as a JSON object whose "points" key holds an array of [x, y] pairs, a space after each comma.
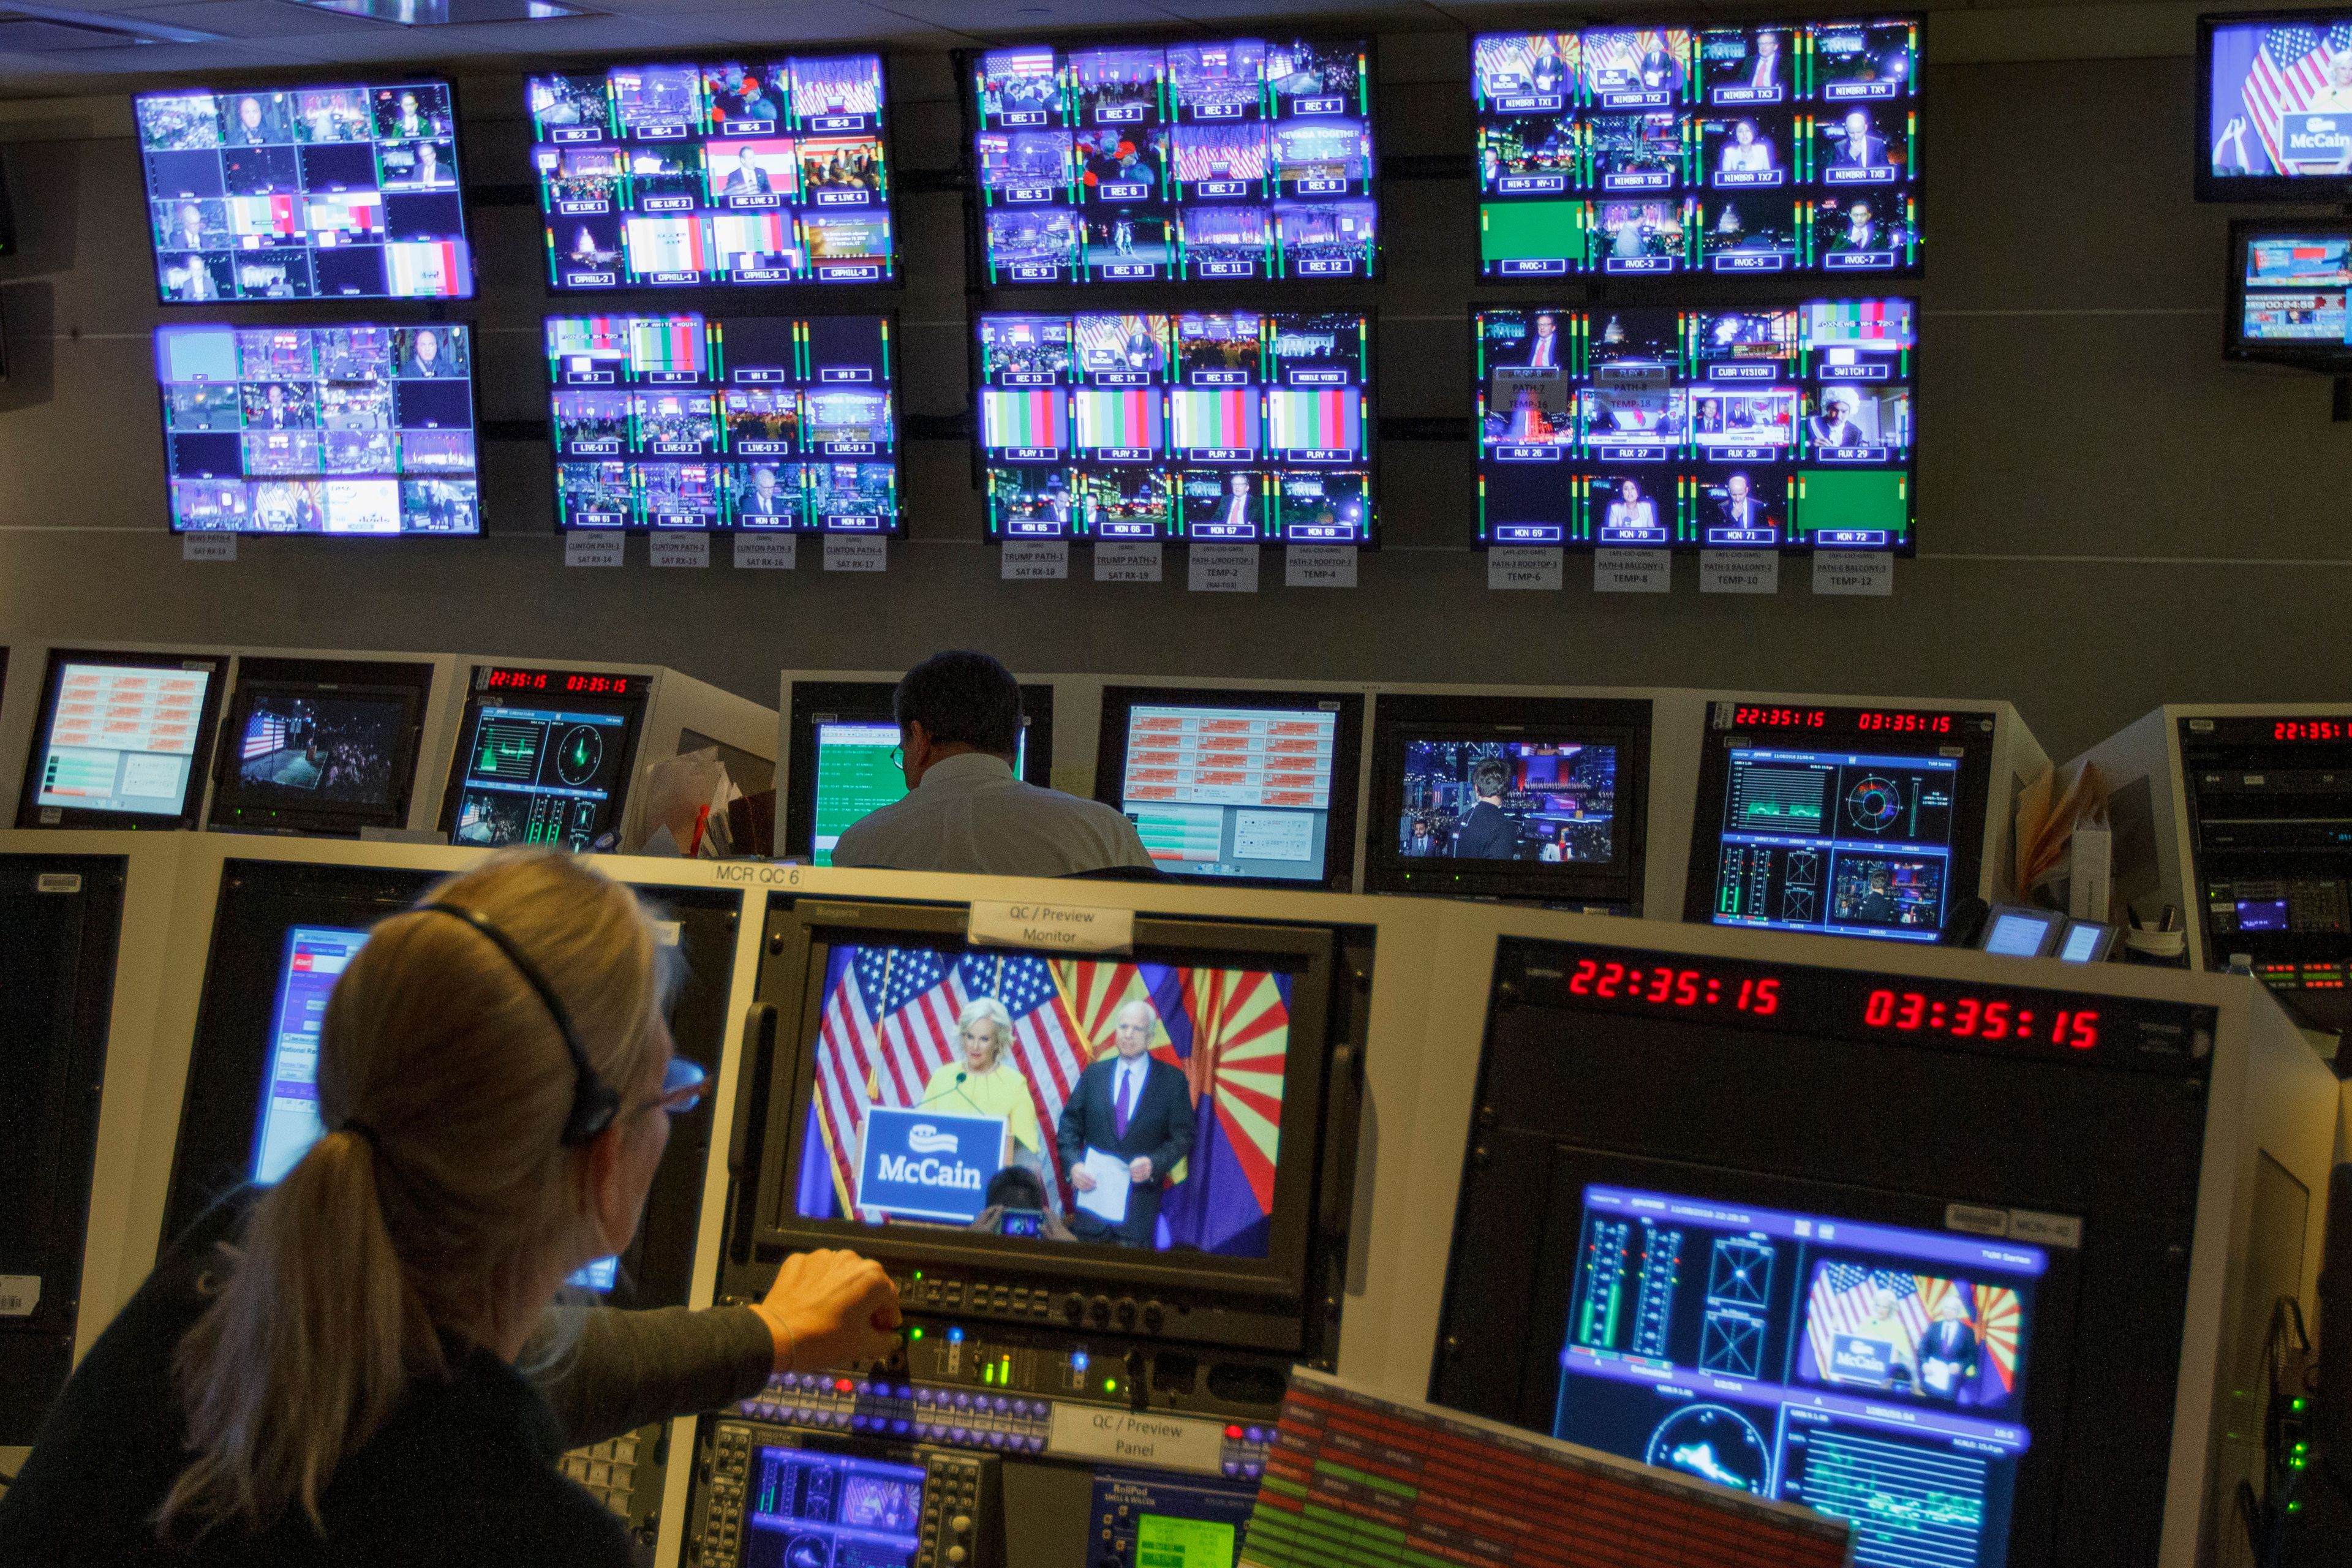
{"points": [[1840, 821], [2086, 941], [2273, 90], [1241, 787], [2021, 932], [544, 757], [1511, 797], [840, 735], [2286, 290], [123, 739], [336, 192], [320, 747]]}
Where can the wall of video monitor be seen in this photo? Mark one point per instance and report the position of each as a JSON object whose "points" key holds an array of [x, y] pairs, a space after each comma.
{"points": [[1745, 428], [683, 421], [318, 193], [762, 171], [355, 430], [1207, 425], [1241, 158], [1630, 151]]}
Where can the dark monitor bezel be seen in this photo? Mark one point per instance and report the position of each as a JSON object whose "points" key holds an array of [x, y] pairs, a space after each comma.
{"points": [[2321, 356], [1623, 722], [1974, 731], [831, 702], [30, 812], [465, 203], [810, 932], [1346, 759], [2329, 189], [409, 684], [633, 711]]}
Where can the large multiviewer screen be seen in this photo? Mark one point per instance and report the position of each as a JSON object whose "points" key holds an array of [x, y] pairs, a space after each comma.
{"points": [[761, 170], [341, 192], [123, 740], [1240, 158], [1748, 429], [543, 758], [1843, 821], [341, 430], [1207, 425], [2274, 90], [1644, 151]]}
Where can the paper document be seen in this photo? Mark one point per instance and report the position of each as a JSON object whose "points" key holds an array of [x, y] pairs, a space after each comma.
{"points": [[1108, 1202]]}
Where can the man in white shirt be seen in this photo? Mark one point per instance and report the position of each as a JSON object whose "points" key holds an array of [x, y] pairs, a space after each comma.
{"points": [[960, 729]]}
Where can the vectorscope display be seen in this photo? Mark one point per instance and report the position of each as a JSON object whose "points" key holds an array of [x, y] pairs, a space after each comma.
{"points": [[1777, 147], [760, 171], [1241, 158], [1232, 424], [679, 421], [1748, 429]]}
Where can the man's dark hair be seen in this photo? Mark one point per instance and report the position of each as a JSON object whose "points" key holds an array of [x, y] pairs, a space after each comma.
{"points": [[1015, 1187], [962, 697], [1488, 776]]}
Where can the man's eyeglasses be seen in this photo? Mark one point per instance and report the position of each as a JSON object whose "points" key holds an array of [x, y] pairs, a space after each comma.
{"points": [[898, 757]]}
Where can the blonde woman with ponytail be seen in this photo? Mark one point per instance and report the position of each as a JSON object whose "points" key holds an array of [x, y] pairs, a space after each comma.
{"points": [[327, 1371]]}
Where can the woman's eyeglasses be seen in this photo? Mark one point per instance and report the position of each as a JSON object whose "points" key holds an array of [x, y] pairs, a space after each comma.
{"points": [[682, 1086]]}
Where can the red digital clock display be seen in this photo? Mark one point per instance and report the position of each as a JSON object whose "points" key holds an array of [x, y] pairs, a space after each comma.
{"points": [[1666, 986], [1781, 718], [570, 684], [517, 681], [596, 685], [1878, 723], [2308, 730], [1979, 1018]]}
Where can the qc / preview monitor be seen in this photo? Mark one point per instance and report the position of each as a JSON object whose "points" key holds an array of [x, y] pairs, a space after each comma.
{"points": [[1644, 151], [1235, 158], [1863, 822], [1511, 797], [2286, 291], [1240, 426], [1756, 428], [2274, 107], [839, 744], [761, 170], [682, 421], [543, 758], [320, 748], [1248, 787], [343, 192], [342, 430], [123, 739]]}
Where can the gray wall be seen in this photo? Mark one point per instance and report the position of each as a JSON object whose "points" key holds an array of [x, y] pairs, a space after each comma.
{"points": [[2110, 516]]}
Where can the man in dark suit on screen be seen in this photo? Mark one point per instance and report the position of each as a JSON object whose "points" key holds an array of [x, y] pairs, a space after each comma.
{"points": [[1129, 1105]]}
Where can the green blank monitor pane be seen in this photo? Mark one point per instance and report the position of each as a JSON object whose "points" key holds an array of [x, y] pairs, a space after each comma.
{"points": [[1531, 231], [1853, 498], [1164, 1542]]}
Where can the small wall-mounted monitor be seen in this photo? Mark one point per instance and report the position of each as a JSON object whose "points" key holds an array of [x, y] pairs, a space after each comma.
{"points": [[343, 192], [320, 747], [2019, 932], [123, 739], [2287, 282], [840, 746], [2274, 107], [1513, 797], [1246, 786], [1840, 821], [543, 757]]}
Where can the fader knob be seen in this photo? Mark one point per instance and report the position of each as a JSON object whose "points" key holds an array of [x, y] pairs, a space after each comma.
{"points": [[1126, 1311], [1098, 1310]]}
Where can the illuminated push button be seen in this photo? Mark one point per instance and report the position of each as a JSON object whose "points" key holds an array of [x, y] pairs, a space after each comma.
{"points": [[1036, 1445], [1233, 1468], [957, 1554], [1003, 1405], [1257, 1434], [963, 1402], [960, 1524]]}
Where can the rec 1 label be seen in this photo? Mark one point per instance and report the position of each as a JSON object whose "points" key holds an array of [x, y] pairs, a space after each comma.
{"points": [[767, 553], [1126, 563], [1524, 566], [856, 555], [1224, 569], [1625, 571], [592, 549], [1865, 571], [1035, 560], [1739, 572]]}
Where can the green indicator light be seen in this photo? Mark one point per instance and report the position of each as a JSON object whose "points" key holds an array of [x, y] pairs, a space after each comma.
{"points": [[1110, 1386], [914, 1333]]}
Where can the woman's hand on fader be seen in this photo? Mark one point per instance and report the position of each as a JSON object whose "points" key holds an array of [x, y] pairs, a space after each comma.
{"points": [[830, 1308]]}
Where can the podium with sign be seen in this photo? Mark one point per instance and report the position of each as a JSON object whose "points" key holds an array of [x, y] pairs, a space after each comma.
{"points": [[921, 1164]]}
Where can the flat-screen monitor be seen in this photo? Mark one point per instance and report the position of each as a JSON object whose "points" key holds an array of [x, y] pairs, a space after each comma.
{"points": [[1217, 425], [543, 758], [683, 421], [1633, 150], [1839, 821], [2019, 932], [2086, 941], [1237, 786], [320, 747], [1232, 158], [1541, 798], [345, 430], [1759, 428], [839, 743], [345, 192], [2286, 290], [2274, 107], [758, 170], [123, 739]]}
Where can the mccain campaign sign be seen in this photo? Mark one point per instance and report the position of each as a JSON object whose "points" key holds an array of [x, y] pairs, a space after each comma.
{"points": [[925, 1165]]}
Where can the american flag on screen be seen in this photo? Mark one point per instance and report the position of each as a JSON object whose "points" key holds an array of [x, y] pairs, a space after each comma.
{"points": [[2288, 69], [1847, 1299]]}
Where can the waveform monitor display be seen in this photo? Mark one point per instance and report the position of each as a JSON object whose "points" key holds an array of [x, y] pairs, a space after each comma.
{"points": [[1232, 424], [1645, 151], [682, 421], [1239, 158], [1773, 427], [541, 776], [361, 429], [307, 193], [770, 170], [1840, 843], [1873, 1373]]}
